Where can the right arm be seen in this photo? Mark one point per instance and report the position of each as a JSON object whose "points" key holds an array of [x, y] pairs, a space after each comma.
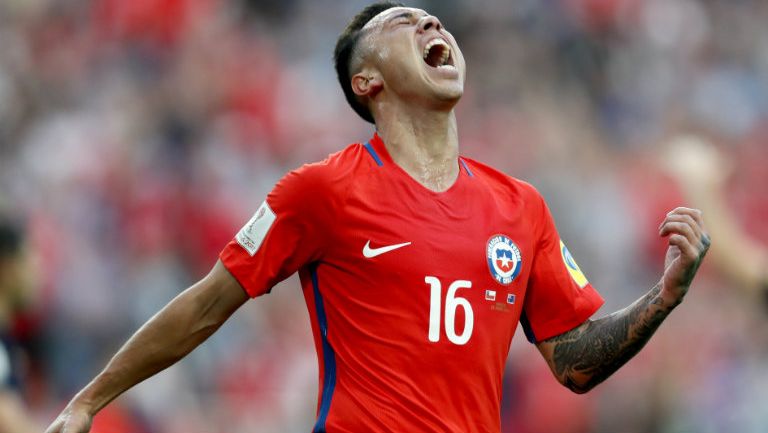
{"points": [[182, 325]]}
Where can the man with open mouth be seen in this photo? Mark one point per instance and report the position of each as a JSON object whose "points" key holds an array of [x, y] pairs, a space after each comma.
{"points": [[416, 263]]}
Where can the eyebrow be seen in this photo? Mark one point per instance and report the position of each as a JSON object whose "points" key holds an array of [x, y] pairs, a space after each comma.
{"points": [[404, 14]]}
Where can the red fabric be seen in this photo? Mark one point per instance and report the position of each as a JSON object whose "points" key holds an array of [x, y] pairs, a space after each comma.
{"points": [[115, 419], [384, 373], [554, 302]]}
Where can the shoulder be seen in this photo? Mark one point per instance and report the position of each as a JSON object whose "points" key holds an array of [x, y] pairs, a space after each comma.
{"points": [[511, 193], [503, 183], [323, 181], [334, 168]]}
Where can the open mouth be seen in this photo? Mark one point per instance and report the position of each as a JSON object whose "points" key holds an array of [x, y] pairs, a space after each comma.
{"points": [[437, 54]]}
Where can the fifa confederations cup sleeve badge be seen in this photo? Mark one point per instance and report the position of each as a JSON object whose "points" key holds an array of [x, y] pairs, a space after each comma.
{"points": [[572, 267], [255, 230]]}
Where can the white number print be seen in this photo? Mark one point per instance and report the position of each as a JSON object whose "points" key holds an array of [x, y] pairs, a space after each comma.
{"points": [[452, 302]]}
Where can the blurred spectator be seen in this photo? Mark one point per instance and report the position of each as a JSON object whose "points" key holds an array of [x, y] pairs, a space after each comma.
{"points": [[702, 172], [16, 292]]}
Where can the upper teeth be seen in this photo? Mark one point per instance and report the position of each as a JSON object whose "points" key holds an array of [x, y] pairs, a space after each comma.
{"points": [[446, 52]]}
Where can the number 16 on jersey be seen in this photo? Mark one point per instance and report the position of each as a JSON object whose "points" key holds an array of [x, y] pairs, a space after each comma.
{"points": [[452, 302]]}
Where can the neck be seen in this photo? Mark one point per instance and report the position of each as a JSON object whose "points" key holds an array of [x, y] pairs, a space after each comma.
{"points": [[423, 142]]}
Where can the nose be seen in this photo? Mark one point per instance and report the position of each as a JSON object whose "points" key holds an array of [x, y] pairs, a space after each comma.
{"points": [[428, 22]]}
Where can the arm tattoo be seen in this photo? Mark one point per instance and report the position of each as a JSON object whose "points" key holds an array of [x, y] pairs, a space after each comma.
{"points": [[588, 354]]}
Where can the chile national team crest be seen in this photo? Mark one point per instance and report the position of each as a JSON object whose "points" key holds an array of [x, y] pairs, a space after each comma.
{"points": [[504, 260]]}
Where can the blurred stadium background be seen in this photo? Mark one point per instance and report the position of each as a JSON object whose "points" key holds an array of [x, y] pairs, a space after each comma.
{"points": [[136, 137]]}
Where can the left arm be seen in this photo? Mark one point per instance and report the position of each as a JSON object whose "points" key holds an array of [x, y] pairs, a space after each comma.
{"points": [[588, 354]]}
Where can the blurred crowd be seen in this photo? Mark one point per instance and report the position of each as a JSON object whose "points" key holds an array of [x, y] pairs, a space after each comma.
{"points": [[136, 137]]}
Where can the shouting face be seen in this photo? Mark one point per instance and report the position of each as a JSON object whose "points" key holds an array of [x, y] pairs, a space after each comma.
{"points": [[410, 54]]}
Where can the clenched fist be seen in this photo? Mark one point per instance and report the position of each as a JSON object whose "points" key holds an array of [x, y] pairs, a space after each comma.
{"points": [[688, 243]]}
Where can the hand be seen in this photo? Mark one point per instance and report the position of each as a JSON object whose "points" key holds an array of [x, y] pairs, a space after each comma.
{"points": [[73, 419], [688, 243]]}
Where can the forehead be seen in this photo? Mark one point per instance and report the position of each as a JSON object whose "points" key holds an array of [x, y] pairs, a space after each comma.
{"points": [[384, 16]]}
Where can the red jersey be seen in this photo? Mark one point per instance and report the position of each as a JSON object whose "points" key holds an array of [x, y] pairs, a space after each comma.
{"points": [[413, 295]]}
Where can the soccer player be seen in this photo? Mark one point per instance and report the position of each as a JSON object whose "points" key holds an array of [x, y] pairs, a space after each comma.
{"points": [[416, 263]]}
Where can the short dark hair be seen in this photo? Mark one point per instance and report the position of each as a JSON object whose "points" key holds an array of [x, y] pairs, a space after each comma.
{"points": [[345, 48]]}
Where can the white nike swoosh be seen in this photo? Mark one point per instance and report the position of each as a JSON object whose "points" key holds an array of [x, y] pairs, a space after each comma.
{"points": [[370, 253]]}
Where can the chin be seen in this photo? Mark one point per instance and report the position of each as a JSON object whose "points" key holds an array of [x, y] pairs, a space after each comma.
{"points": [[450, 93]]}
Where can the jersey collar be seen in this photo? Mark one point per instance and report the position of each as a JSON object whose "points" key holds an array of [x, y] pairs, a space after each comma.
{"points": [[379, 153]]}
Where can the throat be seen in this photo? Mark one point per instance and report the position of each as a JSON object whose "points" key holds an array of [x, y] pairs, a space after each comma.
{"points": [[425, 146], [437, 177], [434, 174]]}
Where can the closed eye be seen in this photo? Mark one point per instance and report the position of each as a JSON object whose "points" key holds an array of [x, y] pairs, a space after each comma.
{"points": [[403, 18]]}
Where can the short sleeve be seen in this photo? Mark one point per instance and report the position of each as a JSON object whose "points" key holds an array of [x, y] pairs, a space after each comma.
{"points": [[288, 231], [559, 297]]}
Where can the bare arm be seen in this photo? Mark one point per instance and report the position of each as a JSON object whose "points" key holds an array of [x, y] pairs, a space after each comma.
{"points": [[587, 355], [590, 353], [188, 320]]}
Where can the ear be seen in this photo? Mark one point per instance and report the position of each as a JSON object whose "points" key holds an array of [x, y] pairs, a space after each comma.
{"points": [[367, 83]]}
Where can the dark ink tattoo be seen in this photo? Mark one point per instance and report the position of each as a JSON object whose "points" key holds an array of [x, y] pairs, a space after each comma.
{"points": [[588, 354]]}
